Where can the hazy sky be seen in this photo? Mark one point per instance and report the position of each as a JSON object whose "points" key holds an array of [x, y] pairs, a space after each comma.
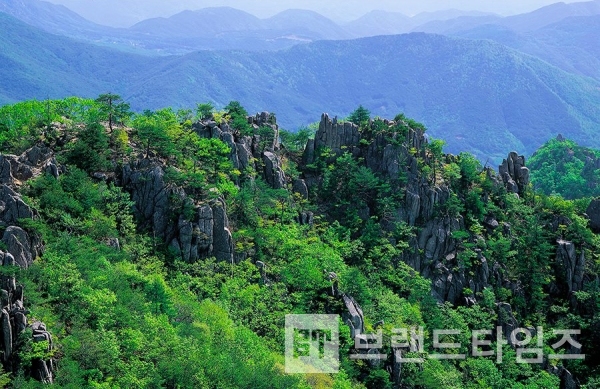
{"points": [[126, 12]]}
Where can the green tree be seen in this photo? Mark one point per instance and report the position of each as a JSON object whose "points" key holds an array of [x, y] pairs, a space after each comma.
{"points": [[155, 130], [90, 150], [113, 109], [360, 116], [239, 117], [204, 110]]}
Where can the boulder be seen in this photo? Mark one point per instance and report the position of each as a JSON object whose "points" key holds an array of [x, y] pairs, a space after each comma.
{"points": [[306, 218], [299, 186], [222, 240], [34, 161], [506, 320], [7, 336], [13, 208], [570, 267], [273, 173], [514, 173], [353, 316], [23, 247], [593, 212]]}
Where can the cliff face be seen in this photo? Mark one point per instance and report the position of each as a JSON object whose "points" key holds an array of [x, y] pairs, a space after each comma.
{"points": [[434, 251], [194, 229], [255, 152], [22, 247], [197, 233]]}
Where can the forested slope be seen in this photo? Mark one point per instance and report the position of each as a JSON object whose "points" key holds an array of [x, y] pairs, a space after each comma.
{"points": [[462, 89], [164, 249]]}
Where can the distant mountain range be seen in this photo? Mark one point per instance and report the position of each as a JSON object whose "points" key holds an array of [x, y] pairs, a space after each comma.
{"points": [[479, 96], [530, 21], [217, 28], [564, 35]]}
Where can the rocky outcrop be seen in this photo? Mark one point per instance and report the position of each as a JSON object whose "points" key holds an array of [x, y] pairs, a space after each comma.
{"points": [[33, 162], [22, 248], [567, 381], [395, 153], [569, 267], [305, 218], [353, 316], [339, 137], [192, 230], [593, 212], [506, 320], [255, 152], [42, 369], [12, 207], [514, 173], [273, 173], [299, 187]]}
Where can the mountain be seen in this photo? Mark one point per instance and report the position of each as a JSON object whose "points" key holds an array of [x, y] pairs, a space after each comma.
{"points": [[206, 22], [570, 44], [380, 23], [164, 251], [530, 21], [236, 29], [216, 28], [41, 65], [50, 17], [457, 87], [447, 14], [306, 23], [461, 89]]}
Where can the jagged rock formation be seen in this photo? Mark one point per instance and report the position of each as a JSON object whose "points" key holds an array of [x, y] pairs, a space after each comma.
{"points": [[22, 247], [433, 251], [200, 230], [353, 316], [299, 187], [34, 161], [514, 173], [254, 152], [192, 230], [42, 369], [506, 320], [593, 212], [569, 268]]}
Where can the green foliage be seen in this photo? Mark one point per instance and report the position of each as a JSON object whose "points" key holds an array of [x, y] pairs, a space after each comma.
{"points": [[24, 123], [138, 316], [156, 132], [295, 141], [562, 167], [90, 150], [113, 109], [360, 116], [239, 117], [204, 111]]}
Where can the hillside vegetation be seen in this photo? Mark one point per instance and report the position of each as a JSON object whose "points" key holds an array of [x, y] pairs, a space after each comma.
{"points": [[164, 249], [457, 87], [563, 167]]}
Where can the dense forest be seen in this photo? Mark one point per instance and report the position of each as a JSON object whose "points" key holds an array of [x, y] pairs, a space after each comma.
{"points": [[163, 249]]}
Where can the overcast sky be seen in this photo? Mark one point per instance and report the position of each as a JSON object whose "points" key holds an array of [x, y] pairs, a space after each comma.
{"points": [[126, 12]]}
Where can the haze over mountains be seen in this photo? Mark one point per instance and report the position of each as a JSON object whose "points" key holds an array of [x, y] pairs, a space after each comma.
{"points": [[464, 90]]}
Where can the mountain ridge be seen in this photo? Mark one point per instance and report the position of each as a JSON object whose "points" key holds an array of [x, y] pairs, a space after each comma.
{"points": [[448, 83]]}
